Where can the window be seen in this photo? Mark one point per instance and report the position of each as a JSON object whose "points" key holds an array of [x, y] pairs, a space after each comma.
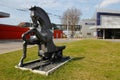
{"points": [[88, 33]]}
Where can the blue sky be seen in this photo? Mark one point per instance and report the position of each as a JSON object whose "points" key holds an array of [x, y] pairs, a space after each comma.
{"points": [[56, 7]]}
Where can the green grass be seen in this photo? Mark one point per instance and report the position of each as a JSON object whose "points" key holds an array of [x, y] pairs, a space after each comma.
{"points": [[92, 60]]}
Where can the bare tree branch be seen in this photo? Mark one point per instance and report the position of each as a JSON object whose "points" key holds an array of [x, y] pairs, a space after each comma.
{"points": [[71, 17]]}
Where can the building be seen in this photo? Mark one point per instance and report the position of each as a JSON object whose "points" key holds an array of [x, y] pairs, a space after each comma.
{"points": [[67, 30], [3, 15], [8, 32], [86, 32], [107, 24]]}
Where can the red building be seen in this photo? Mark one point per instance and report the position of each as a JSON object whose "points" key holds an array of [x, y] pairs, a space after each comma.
{"points": [[10, 31], [15, 32], [58, 34]]}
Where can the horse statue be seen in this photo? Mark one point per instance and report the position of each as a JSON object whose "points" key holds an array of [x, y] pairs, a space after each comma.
{"points": [[47, 50]]}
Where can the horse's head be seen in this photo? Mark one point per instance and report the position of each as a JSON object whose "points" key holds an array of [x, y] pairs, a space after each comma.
{"points": [[34, 11], [38, 14]]}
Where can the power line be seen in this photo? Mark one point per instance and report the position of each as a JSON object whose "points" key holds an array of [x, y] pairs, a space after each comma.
{"points": [[26, 9]]}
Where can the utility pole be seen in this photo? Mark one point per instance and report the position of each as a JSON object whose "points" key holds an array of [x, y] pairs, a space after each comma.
{"points": [[68, 27]]}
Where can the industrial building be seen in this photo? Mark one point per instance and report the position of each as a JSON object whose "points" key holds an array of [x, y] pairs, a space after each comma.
{"points": [[8, 32], [86, 32], [105, 24], [3, 15], [67, 30]]}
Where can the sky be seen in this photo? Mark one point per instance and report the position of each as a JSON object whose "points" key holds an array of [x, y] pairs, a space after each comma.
{"points": [[19, 12]]}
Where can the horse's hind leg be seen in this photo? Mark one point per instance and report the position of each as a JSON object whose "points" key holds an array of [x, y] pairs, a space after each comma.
{"points": [[24, 54]]}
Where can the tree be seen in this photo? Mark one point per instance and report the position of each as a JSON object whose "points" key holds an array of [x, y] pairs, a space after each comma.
{"points": [[71, 17]]}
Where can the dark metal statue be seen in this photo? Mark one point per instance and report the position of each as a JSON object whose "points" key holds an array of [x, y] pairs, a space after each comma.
{"points": [[44, 37]]}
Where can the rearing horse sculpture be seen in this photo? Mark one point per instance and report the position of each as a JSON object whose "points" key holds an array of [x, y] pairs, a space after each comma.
{"points": [[47, 49]]}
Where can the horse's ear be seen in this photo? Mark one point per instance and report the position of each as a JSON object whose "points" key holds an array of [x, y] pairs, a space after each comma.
{"points": [[30, 9], [33, 8]]}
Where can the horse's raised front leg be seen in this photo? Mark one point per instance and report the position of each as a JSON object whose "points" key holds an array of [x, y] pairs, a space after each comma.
{"points": [[24, 54]]}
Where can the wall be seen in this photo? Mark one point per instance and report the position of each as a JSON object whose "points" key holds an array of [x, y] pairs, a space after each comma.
{"points": [[58, 33], [86, 32], [108, 25], [11, 32]]}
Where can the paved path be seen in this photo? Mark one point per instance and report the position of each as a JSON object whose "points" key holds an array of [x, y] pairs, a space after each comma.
{"points": [[112, 40], [8, 46]]}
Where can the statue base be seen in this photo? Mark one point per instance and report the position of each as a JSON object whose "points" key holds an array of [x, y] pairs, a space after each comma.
{"points": [[43, 67]]}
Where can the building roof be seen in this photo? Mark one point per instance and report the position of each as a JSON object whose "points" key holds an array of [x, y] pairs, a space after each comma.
{"points": [[25, 24], [108, 11], [106, 27], [3, 14], [105, 11]]}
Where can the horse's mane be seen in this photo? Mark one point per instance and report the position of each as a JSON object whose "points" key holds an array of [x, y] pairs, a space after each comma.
{"points": [[43, 17]]}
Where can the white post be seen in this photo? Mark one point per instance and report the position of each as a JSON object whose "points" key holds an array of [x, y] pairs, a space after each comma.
{"points": [[67, 28], [103, 33]]}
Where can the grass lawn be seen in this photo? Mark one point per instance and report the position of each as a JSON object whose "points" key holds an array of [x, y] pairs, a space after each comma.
{"points": [[92, 60]]}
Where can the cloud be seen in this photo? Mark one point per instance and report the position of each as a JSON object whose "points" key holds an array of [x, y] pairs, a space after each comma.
{"points": [[106, 3], [19, 8], [16, 16], [26, 3]]}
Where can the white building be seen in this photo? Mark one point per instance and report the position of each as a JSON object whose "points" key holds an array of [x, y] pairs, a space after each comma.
{"points": [[67, 30], [107, 24], [86, 32]]}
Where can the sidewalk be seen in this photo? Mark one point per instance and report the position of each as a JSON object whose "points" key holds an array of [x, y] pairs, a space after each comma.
{"points": [[13, 45], [10, 45]]}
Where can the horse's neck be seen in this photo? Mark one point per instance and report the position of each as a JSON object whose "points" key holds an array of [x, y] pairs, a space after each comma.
{"points": [[45, 19]]}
